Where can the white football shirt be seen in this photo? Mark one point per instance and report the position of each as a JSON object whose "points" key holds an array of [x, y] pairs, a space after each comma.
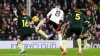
{"points": [[56, 15]]}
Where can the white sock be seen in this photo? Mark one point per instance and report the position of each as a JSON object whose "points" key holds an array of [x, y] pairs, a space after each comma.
{"points": [[60, 39], [80, 49], [41, 23], [64, 44]]}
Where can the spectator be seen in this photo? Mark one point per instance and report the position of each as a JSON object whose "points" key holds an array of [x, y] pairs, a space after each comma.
{"points": [[4, 26], [33, 12], [40, 8], [99, 4], [98, 32], [32, 38], [39, 38], [10, 37], [8, 31], [2, 35], [0, 9], [14, 35]]}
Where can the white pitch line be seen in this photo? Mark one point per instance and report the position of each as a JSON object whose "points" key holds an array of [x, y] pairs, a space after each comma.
{"points": [[24, 55]]}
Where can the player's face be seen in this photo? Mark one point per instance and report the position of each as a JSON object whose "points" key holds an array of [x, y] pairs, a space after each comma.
{"points": [[58, 6], [78, 9], [88, 13]]}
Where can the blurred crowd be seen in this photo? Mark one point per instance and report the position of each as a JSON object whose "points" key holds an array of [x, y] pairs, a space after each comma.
{"points": [[9, 28]]}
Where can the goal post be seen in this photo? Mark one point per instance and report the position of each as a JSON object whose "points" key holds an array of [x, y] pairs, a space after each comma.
{"points": [[28, 6]]}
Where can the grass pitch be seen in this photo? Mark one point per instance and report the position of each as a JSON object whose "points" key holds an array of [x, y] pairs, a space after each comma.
{"points": [[49, 52]]}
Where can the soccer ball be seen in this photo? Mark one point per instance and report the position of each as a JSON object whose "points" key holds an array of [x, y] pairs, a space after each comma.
{"points": [[35, 19]]}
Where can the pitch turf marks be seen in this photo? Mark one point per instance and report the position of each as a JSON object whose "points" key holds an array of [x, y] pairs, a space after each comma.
{"points": [[49, 52], [24, 55]]}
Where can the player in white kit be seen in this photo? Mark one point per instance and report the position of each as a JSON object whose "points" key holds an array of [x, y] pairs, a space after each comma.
{"points": [[55, 18]]}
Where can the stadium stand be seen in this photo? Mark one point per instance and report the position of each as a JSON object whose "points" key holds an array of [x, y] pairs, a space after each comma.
{"points": [[9, 28]]}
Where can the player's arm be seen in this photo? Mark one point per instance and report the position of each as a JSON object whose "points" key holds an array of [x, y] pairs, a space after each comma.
{"points": [[86, 20], [49, 13], [69, 16], [91, 22], [15, 19], [84, 17], [62, 18], [31, 21], [15, 12], [94, 21]]}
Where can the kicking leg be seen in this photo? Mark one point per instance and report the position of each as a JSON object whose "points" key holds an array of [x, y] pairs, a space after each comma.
{"points": [[43, 33], [41, 23], [39, 30]]}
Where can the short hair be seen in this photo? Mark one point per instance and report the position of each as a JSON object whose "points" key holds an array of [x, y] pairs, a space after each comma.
{"points": [[58, 4], [78, 6], [25, 11]]}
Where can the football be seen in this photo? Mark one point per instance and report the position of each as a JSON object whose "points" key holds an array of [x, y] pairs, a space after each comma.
{"points": [[35, 19]]}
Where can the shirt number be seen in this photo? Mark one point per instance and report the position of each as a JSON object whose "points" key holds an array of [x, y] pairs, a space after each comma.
{"points": [[25, 23], [77, 17], [57, 13]]}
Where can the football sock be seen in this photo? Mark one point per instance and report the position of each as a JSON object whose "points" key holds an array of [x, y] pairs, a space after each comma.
{"points": [[43, 33], [20, 46], [79, 44], [85, 42], [60, 39], [41, 23], [64, 44]]}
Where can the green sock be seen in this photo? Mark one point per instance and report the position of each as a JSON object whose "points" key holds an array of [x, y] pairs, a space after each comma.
{"points": [[20, 46], [79, 44], [64, 44], [85, 42]]}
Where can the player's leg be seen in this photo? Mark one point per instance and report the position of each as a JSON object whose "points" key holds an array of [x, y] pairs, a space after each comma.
{"points": [[60, 39], [19, 43], [67, 34], [60, 34], [39, 30], [85, 41], [24, 34], [41, 23], [58, 31], [42, 33], [85, 34], [79, 46], [78, 32], [64, 50]]}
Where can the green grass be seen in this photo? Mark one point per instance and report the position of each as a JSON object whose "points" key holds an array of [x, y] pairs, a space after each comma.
{"points": [[49, 52]]}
